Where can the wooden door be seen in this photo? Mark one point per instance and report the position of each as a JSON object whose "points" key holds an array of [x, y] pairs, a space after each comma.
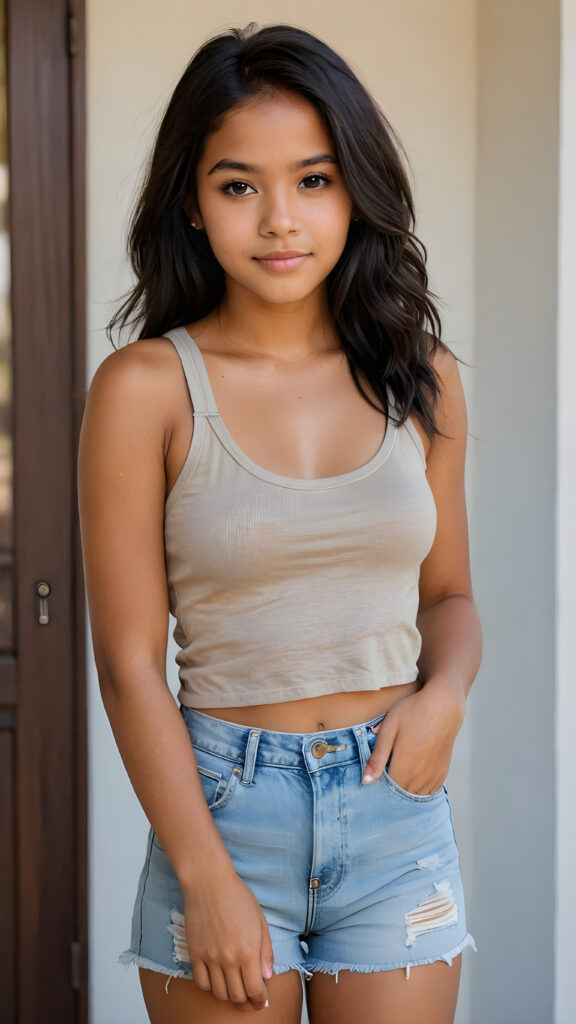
{"points": [[42, 340]]}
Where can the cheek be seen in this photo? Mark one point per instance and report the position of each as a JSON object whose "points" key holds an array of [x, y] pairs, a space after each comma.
{"points": [[335, 228], [336, 217], [226, 237]]}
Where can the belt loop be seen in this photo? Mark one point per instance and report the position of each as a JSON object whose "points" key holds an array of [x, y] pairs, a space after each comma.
{"points": [[250, 758], [363, 747]]}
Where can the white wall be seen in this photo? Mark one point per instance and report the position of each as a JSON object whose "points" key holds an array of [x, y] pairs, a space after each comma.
{"points": [[565, 938], [420, 61], [514, 537]]}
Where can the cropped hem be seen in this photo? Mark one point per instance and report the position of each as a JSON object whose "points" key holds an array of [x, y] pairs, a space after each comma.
{"points": [[328, 967], [285, 692], [128, 957], [296, 966]]}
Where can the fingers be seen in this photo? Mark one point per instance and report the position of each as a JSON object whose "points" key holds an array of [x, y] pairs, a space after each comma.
{"points": [[380, 755], [412, 752], [201, 975], [253, 983], [417, 780], [239, 985], [266, 951], [230, 947], [219, 983], [254, 986]]}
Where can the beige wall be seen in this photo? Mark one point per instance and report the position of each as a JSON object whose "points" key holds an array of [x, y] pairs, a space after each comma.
{"points": [[419, 59]]}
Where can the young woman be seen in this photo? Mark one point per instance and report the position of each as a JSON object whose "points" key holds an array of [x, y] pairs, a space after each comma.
{"points": [[279, 461]]}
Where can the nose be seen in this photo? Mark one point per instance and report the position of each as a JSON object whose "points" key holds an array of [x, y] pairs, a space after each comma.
{"points": [[280, 215]]}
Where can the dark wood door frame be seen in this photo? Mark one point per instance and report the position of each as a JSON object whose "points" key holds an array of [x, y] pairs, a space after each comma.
{"points": [[47, 144]]}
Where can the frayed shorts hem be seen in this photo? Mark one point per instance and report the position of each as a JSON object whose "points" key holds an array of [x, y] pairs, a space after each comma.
{"points": [[313, 966], [128, 957], [328, 967]]}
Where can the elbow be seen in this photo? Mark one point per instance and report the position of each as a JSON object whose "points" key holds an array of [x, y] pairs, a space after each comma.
{"points": [[117, 680], [447, 595]]}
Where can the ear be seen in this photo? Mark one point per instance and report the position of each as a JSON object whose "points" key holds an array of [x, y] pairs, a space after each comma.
{"points": [[193, 214]]}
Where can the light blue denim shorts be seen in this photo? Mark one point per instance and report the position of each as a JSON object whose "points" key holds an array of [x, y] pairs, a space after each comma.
{"points": [[349, 876]]}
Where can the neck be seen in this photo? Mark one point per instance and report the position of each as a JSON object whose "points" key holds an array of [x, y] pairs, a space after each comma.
{"points": [[288, 333]]}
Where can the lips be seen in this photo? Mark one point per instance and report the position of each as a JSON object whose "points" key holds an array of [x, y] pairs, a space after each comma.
{"points": [[282, 261], [283, 254]]}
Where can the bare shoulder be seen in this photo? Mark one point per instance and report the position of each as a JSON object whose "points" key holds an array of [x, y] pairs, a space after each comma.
{"points": [[445, 366], [451, 417], [140, 385], [143, 368], [450, 408]]}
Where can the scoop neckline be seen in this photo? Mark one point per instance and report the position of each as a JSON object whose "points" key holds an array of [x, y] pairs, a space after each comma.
{"points": [[304, 483]]}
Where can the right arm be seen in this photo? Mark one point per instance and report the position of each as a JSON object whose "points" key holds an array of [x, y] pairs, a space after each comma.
{"points": [[122, 484]]}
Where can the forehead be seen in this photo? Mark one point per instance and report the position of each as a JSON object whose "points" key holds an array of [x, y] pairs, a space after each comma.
{"points": [[277, 128]]}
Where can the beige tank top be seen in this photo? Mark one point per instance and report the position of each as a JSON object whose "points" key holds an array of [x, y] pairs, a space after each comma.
{"points": [[286, 588]]}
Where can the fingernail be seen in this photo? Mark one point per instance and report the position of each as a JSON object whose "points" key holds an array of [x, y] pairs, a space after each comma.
{"points": [[367, 778], [267, 1003]]}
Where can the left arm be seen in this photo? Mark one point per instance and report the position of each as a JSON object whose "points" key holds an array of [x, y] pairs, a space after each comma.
{"points": [[417, 735]]}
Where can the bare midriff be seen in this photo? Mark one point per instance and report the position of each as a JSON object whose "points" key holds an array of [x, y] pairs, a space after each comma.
{"points": [[317, 714]]}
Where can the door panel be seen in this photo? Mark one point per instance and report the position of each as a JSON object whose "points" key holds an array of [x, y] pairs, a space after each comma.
{"points": [[42, 748], [6, 496], [7, 873]]}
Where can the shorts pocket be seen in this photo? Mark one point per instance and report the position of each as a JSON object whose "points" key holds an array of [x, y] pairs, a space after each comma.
{"points": [[218, 786], [419, 798], [393, 786]]}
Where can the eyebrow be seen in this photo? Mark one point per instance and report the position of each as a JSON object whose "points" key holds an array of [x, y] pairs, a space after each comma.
{"points": [[236, 165]]}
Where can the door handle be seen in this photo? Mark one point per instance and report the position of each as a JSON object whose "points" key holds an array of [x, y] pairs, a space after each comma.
{"points": [[43, 590]]}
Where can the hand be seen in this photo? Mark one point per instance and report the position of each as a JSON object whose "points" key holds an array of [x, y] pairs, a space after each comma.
{"points": [[229, 943], [415, 740]]}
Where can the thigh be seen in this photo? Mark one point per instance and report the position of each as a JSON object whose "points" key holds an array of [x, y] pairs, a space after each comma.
{"points": [[184, 1003], [428, 996]]}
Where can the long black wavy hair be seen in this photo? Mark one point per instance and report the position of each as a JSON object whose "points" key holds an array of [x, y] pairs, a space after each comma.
{"points": [[385, 315]]}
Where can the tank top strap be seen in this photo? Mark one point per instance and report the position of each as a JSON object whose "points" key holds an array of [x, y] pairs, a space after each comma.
{"points": [[201, 394]]}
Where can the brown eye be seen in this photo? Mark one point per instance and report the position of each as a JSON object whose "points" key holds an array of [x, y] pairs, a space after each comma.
{"points": [[314, 181], [237, 188]]}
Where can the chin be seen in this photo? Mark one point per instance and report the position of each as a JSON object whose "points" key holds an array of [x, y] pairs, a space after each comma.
{"points": [[281, 291]]}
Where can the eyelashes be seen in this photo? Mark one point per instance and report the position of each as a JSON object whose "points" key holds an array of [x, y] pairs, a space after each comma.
{"points": [[231, 186], [311, 183], [322, 179]]}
